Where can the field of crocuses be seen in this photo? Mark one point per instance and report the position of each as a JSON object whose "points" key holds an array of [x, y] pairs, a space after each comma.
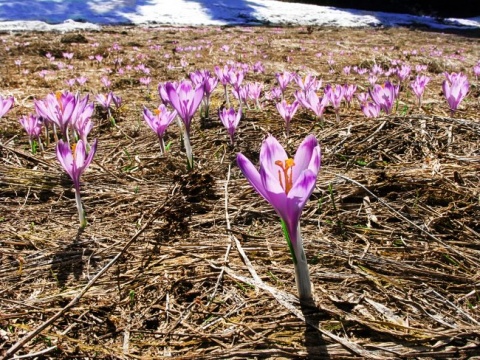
{"points": [[240, 192]]}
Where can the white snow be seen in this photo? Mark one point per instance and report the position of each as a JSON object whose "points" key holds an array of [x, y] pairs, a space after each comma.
{"points": [[66, 15]]}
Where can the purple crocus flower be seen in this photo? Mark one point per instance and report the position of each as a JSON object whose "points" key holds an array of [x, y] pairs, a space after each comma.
{"points": [[404, 72], [418, 87], [384, 96], [58, 108], [105, 100], [284, 79], [312, 101], [455, 90], [230, 119], [349, 91], [209, 82], [159, 121], [287, 184], [33, 126], [287, 111], [335, 95], [75, 164], [308, 83], [185, 99], [254, 91], [5, 105], [371, 110]]}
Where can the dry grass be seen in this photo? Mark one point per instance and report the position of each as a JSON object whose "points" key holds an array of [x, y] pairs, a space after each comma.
{"points": [[193, 264]]}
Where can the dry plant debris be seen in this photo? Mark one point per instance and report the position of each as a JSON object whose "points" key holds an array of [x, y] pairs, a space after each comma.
{"points": [[192, 264]]}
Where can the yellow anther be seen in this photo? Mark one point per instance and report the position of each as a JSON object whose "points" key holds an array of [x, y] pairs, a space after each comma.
{"points": [[157, 112], [285, 175]]}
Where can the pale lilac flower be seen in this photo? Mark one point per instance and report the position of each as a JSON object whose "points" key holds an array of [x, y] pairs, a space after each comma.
{"points": [[418, 87], [158, 121], [241, 94], [335, 95], [349, 91], [371, 110], [145, 81], [287, 184], [312, 101], [455, 89], [5, 105], [308, 83], [347, 70], [284, 79], [376, 70], [106, 82], [372, 79], [70, 82], [384, 96], [404, 72], [57, 108], [476, 71], [287, 111], [230, 119], [117, 101], [33, 126], [75, 164], [363, 98], [104, 100], [186, 100], [258, 67], [82, 80], [67, 55], [254, 91]]}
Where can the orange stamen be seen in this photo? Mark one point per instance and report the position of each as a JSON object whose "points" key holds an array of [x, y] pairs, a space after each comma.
{"points": [[285, 174], [74, 147], [157, 112], [58, 95]]}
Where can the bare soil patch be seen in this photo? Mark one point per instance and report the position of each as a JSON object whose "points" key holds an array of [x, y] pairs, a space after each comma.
{"points": [[199, 267]]}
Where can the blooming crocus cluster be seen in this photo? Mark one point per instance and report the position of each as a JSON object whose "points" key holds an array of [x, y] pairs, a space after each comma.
{"points": [[185, 99], [57, 109], [455, 88], [384, 96], [158, 121], [204, 78], [230, 119], [310, 100], [287, 183], [75, 161]]}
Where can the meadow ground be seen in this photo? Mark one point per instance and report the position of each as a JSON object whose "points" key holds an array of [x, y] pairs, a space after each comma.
{"points": [[193, 264]]}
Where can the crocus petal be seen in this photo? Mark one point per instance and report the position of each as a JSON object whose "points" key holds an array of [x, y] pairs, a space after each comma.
{"points": [[80, 157], [252, 175], [307, 156], [65, 157], [270, 152]]}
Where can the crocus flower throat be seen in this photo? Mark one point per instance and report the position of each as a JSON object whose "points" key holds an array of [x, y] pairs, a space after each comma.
{"points": [[286, 173]]}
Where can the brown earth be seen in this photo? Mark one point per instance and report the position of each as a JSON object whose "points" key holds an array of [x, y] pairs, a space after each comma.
{"points": [[192, 264]]}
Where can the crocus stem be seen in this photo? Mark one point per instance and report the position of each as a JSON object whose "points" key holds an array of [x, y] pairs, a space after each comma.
{"points": [[81, 211], [337, 115], [188, 147], [302, 275], [162, 147]]}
